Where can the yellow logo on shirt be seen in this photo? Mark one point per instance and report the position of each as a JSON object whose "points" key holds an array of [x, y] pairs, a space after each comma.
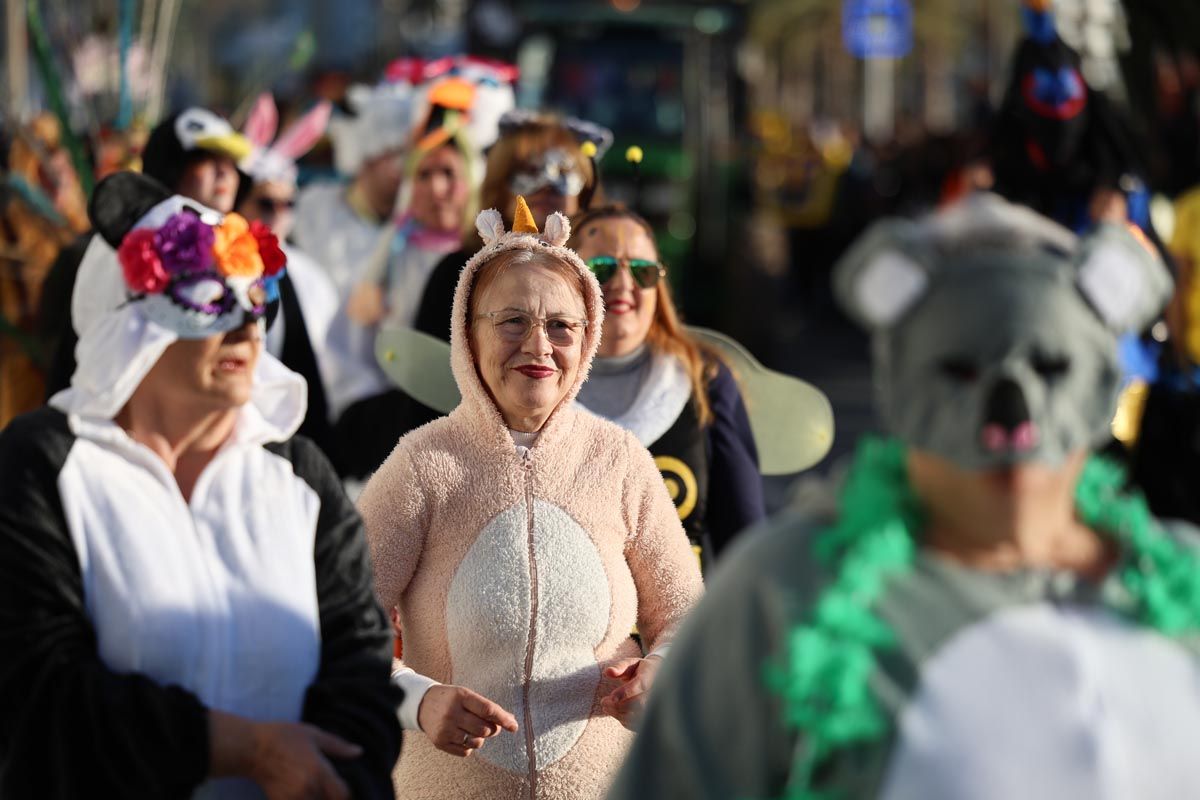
{"points": [[681, 484]]}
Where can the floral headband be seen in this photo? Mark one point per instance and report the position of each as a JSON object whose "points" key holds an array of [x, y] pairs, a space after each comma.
{"points": [[198, 274]]}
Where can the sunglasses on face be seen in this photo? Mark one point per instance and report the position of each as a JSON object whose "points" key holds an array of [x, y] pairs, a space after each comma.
{"points": [[270, 205], [645, 273], [515, 326]]}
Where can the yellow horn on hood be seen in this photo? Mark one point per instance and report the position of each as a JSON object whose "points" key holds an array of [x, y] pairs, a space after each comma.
{"points": [[523, 218]]}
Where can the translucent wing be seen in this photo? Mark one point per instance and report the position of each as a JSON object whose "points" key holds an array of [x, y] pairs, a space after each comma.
{"points": [[418, 364], [792, 420]]}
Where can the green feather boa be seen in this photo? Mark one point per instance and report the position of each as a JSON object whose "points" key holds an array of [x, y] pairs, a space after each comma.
{"points": [[823, 675]]}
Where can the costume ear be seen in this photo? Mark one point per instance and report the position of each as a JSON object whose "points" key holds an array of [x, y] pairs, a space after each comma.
{"points": [[263, 120], [490, 225], [882, 275], [1123, 277], [120, 200], [557, 229], [305, 132]]}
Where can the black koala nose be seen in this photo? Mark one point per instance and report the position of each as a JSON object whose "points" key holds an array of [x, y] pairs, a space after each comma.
{"points": [[1006, 405]]}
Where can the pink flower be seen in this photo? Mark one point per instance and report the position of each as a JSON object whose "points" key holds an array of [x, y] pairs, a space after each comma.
{"points": [[143, 269]]}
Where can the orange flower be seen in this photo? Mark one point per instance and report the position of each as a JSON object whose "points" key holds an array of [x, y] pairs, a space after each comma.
{"points": [[235, 249]]}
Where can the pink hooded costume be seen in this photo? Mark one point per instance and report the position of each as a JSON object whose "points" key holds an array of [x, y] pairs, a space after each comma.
{"points": [[519, 573]]}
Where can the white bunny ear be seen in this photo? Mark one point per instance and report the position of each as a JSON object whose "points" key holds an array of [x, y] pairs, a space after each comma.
{"points": [[556, 230], [1123, 278], [490, 225], [878, 281], [263, 120], [305, 132]]}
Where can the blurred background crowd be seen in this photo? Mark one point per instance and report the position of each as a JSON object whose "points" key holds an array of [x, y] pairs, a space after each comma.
{"points": [[771, 131]]}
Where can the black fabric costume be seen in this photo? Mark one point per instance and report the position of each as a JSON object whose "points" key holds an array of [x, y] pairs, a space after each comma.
{"points": [[70, 727]]}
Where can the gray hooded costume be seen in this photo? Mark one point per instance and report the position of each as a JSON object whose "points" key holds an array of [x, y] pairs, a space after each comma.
{"points": [[995, 334]]}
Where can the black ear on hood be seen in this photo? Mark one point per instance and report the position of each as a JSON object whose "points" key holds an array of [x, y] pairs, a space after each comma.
{"points": [[120, 200], [163, 156]]}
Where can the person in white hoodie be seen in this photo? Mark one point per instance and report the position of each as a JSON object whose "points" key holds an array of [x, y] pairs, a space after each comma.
{"points": [[186, 603]]}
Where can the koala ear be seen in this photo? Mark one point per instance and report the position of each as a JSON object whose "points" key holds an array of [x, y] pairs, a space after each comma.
{"points": [[1123, 278], [556, 230], [880, 278], [490, 225]]}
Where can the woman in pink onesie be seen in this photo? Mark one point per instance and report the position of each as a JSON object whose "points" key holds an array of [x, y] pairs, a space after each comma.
{"points": [[521, 539]]}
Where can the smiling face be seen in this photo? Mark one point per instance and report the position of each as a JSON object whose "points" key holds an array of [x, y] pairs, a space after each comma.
{"points": [[628, 308], [526, 379], [211, 374]]}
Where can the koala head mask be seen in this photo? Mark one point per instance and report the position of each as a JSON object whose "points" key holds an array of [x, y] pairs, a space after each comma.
{"points": [[995, 329]]}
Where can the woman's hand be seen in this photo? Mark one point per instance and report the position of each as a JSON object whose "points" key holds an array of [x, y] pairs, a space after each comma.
{"points": [[290, 761], [458, 721], [366, 304], [286, 759], [627, 701]]}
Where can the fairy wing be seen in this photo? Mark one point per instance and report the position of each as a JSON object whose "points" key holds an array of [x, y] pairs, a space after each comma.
{"points": [[791, 419], [419, 365]]}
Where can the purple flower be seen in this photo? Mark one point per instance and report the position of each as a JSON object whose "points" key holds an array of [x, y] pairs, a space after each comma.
{"points": [[184, 243]]}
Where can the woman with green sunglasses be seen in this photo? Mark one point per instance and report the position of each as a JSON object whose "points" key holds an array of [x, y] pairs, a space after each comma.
{"points": [[674, 392]]}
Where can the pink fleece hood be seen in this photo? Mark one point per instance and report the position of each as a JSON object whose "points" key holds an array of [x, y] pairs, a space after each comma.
{"points": [[476, 402]]}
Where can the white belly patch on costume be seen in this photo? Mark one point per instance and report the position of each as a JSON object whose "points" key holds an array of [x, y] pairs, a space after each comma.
{"points": [[488, 614], [1050, 702]]}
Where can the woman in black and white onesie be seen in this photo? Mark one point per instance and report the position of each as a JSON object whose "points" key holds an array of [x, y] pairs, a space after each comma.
{"points": [[186, 605]]}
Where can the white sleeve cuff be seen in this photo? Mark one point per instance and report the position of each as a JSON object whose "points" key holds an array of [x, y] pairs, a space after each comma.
{"points": [[660, 651], [414, 686]]}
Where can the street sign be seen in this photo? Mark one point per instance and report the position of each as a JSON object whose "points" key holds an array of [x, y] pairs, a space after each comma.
{"points": [[877, 28]]}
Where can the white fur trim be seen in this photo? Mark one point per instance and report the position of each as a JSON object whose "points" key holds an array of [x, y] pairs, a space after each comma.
{"points": [[660, 400]]}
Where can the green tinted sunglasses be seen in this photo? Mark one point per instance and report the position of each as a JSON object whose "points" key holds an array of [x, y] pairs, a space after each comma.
{"points": [[645, 273]]}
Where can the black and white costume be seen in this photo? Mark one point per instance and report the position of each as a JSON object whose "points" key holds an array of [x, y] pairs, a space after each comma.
{"points": [[127, 611]]}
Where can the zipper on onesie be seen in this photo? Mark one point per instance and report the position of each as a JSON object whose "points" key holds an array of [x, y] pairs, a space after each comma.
{"points": [[527, 466]]}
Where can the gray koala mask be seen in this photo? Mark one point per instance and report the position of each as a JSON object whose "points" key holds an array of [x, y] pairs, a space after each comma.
{"points": [[995, 329]]}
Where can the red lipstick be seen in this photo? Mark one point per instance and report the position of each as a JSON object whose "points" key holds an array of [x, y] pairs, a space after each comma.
{"points": [[536, 371]]}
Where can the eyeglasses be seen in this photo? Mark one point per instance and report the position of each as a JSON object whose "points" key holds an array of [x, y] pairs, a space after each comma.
{"points": [[515, 326], [646, 273], [271, 205]]}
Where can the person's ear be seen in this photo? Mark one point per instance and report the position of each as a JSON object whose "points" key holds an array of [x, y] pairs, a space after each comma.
{"points": [[1123, 278]]}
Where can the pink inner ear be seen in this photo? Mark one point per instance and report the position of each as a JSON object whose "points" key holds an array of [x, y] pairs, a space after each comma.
{"points": [[263, 120], [305, 132]]}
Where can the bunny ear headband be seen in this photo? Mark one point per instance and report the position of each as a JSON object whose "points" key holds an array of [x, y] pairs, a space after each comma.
{"points": [[277, 162]]}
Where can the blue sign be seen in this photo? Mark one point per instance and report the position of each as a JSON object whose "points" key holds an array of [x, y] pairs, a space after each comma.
{"points": [[877, 28]]}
